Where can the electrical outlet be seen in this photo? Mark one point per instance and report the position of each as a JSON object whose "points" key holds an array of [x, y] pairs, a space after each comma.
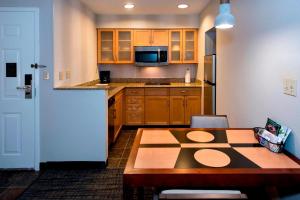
{"points": [[68, 75], [45, 75], [60, 76]]}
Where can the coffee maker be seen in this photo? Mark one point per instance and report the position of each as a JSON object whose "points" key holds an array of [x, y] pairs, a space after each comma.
{"points": [[104, 76]]}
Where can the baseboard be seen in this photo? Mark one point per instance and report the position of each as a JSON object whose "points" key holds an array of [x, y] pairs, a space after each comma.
{"points": [[73, 165]]}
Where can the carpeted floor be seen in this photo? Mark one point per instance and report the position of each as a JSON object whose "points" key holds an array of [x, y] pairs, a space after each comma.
{"points": [[72, 184], [104, 184]]}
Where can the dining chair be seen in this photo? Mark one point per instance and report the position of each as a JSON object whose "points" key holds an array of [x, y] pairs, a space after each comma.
{"points": [[203, 121], [209, 121]]}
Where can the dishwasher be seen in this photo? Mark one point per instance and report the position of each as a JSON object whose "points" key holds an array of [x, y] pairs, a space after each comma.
{"points": [[111, 119]]}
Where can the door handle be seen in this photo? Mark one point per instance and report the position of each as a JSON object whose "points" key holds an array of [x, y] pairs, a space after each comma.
{"points": [[26, 87], [36, 66]]}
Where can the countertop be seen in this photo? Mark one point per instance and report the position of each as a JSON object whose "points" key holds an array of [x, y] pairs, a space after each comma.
{"points": [[114, 88]]}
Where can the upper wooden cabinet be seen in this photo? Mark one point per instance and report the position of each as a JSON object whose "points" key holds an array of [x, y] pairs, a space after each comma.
{"points": [[115, 46], [190, 46], [145, 37], [175, 46], [124, 46], [106, 46]]}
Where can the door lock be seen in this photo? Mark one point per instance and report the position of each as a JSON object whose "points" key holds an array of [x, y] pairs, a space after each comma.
{"points": [[27, 86]]}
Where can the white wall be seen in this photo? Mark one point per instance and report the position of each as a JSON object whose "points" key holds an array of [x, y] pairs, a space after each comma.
{"points": [[63, 136], [148, 21], [207, 19], [253, 58], [75, 42], [76, 126]]}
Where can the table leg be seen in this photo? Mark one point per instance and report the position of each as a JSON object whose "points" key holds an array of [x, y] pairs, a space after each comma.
{"points": [[272, 193], [127, 192], [140, 193]]}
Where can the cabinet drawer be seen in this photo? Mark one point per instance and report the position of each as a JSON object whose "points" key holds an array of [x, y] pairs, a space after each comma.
{"points": [[157, 91], [185, 91], [135, 91], [135, 100], [134, 107]]}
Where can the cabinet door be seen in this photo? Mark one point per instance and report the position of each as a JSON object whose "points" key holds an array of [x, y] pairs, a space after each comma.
{"points": [[193, 107], [106, 46], [157, 110], [134, 110], [124, 46], [190, 46], [175, 46], [160, 38], [142, 37], [177, 110], [118, 115]]}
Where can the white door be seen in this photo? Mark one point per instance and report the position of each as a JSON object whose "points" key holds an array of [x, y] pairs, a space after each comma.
{"points": [[17, 105]]}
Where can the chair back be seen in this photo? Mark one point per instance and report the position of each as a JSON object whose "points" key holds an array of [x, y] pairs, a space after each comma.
{"points": [[209, 121]]}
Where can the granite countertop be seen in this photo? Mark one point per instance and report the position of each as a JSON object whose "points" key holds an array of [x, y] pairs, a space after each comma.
{"points": [[114, 88], [117, 87]]}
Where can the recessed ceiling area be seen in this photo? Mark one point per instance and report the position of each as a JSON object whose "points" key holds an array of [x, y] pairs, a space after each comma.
{"points": [[146, 7]]}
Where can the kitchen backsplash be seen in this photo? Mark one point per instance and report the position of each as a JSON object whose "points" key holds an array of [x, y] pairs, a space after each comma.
{"points": [[131, 71]]}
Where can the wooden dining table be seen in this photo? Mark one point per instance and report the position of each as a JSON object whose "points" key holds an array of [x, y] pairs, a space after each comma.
{"points": [[202, 158]]}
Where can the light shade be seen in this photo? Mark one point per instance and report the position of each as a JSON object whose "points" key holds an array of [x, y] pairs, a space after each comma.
{"points": [[182, 6], [129, 5], [225, 19]]}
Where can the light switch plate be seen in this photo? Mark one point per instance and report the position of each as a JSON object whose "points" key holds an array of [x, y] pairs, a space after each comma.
{"points": [[293, 88], [60, 76], [68, 75], [45, 75], [285, 86]]}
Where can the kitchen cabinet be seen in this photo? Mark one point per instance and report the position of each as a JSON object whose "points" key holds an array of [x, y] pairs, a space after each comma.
{"points": [[184, 103], [190, 46], [118, 115], [146, 37], [134, 106], [175, 46], [177, 110], [192, 107], [157, 106], [106, 46], [124, 46], [115, 46]]}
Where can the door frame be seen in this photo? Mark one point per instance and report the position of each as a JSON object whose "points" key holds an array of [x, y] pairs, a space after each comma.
{"points": [[36, 75]]}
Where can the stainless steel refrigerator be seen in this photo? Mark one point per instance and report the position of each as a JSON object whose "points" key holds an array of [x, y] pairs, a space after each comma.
{"points": [[210, 85]]}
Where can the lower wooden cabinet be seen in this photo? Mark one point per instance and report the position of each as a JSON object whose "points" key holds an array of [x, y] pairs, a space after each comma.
{"points": [[135, 110], [118, 115], [157, 110], [183, 107], [161, 106], [192, 107], [177, 110]]}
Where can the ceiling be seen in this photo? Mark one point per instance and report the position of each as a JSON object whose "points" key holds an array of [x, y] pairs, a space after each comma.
{"points": [[145, 7]]}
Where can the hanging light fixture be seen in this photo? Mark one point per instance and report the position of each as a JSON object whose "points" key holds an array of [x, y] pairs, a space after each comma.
{"points": [[225, 19]]}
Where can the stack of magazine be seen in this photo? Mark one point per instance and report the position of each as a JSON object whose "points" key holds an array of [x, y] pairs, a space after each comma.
{"points": [[274, 135]]}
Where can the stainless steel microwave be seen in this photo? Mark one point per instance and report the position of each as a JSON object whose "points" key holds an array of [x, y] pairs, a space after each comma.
{"points": [[151, 56]]}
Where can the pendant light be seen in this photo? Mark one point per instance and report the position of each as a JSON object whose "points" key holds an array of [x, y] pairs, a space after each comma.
{"points": [[225, 19]]}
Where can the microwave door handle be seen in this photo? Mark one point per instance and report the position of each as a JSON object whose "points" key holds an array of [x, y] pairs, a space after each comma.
{"points": [[158, 57]]}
